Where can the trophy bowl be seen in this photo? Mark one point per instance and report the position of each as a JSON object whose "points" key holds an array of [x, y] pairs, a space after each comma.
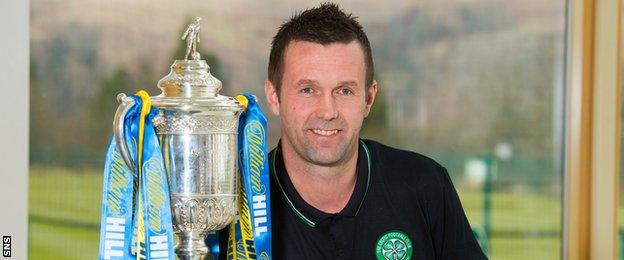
{"points": [[198, 133]]}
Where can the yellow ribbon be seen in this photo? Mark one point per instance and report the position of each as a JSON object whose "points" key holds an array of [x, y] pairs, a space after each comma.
{"points": [[243, 100], [146, 106]]}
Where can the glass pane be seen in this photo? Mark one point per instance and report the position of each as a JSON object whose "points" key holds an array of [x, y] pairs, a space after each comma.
{"points": [[477, 85], [482, 92]]}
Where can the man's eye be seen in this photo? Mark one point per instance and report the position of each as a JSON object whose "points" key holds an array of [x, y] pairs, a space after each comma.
{"points": [[307, 90], [345, 91]]}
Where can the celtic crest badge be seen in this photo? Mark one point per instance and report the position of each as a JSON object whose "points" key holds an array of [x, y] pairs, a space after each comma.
{"points": [[394, 245]]}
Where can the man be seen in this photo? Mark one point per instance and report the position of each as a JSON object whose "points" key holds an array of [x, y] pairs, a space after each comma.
{"points": [[335, 196]]}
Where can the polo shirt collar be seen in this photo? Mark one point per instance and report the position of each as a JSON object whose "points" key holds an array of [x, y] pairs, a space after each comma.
{"points": [[306, 212]]}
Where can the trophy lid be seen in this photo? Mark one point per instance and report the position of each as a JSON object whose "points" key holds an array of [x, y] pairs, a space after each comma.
{"points": [[189, 85]]}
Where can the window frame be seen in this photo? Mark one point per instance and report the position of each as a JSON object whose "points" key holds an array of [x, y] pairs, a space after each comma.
{"points": [[592, 138]]}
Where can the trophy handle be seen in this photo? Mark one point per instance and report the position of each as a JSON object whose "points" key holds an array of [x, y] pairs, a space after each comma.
{"points": [[125, 103]]}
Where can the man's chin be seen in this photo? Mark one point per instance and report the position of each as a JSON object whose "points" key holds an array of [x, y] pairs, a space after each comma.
{"points": [[326, 156], [324, 161]]}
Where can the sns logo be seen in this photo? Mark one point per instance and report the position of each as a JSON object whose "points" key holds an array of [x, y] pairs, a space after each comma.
{"points": [[6, 246]]}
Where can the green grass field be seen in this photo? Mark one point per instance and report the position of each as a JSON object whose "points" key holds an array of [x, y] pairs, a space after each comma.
{"points": [[64, 209]]}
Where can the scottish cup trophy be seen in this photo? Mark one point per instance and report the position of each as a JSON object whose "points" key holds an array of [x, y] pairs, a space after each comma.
{"points": [[198, 133]]}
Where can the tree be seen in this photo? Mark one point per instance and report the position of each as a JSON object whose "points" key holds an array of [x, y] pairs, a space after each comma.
{"points": [[43, 122], [104, 105]]}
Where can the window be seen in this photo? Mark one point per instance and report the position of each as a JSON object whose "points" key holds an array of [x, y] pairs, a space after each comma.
{"points": [[476, 85]]}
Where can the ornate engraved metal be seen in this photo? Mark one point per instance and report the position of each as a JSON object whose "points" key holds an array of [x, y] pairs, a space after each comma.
{"points": [[183, 124], [194, 213]]}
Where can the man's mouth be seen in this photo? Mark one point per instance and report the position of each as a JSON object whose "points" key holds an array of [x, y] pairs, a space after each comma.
{"points": [[325, 132]]}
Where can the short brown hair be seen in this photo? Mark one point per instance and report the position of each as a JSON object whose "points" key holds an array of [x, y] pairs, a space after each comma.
{"points": [[325, 24]]}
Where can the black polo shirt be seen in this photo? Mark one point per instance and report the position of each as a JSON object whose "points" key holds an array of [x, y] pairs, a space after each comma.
{"points": [[403, 206]]}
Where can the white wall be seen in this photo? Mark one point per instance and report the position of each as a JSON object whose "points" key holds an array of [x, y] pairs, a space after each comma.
{"points": [[14, 48]]}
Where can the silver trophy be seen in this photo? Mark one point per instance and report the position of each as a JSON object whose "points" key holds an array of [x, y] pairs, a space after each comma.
{"points": [[198, 133]]}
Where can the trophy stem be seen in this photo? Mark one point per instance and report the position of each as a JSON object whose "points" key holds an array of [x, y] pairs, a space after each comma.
{"points": [[192, 247]]}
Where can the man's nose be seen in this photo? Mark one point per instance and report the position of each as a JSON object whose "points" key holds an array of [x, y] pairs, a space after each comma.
{"points": [[326, 107]]}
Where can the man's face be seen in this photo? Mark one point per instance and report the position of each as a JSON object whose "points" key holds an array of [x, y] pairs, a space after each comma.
{"points": [[323, 100]]}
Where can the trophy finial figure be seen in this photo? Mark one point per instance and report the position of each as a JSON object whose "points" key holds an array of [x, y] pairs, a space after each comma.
{"points": [[191, 35]]}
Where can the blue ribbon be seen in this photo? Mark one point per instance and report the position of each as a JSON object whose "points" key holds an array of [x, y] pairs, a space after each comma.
{"points": [[255, 191], [116, 221], [119, 189]]}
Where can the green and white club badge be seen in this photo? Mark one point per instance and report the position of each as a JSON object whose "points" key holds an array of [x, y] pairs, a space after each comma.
{"points": [[394, 245]]}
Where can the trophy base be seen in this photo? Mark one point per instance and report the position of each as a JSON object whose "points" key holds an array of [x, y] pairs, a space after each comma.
{"points": [[192, 247], [196, 257]]}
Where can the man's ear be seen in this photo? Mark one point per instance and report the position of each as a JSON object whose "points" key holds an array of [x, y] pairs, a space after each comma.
{"points": [[272, 96], [371, 92]]}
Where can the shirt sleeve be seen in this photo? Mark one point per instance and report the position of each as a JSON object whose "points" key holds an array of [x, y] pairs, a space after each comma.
{"points": [[457, 239]]}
